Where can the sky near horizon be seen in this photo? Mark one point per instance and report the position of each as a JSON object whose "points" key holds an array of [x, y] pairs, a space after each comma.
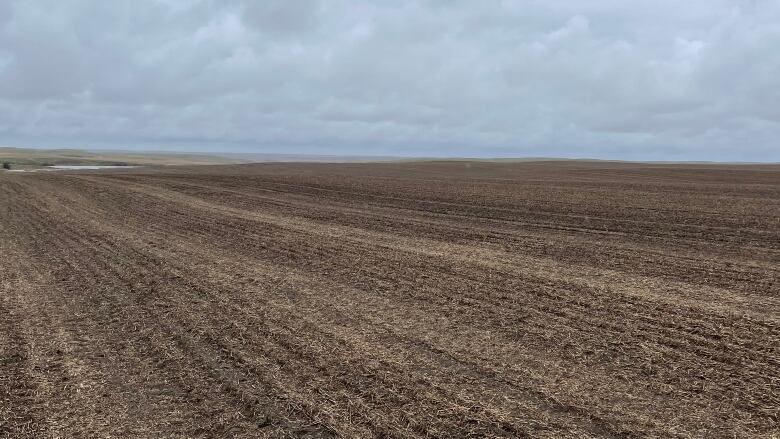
{"points": [[637, 80]]}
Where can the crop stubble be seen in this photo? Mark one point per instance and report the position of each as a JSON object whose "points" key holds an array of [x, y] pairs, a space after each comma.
{"points": [[441, 299]]}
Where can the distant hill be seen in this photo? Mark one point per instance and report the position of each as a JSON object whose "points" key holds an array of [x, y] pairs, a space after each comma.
{"points": [[32, 158]]}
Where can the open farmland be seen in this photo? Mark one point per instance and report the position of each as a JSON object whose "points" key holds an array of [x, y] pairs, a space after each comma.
{"points": [[439, 299]]}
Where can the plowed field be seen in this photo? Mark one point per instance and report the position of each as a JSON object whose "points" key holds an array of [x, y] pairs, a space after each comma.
{"points": [[544, 300]]}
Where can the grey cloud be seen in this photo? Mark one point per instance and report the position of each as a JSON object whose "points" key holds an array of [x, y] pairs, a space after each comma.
{"points": [[282, 17], [640, 80]]}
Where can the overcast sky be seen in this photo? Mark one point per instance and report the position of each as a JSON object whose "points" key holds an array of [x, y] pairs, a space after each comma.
{"points": [[655, 79]]}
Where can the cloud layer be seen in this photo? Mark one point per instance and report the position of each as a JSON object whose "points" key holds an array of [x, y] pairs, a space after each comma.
{"points": [[655, 79]]}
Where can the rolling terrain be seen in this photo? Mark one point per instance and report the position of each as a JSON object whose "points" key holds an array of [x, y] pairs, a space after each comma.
{"points": [[31, 159], [435, 299]]}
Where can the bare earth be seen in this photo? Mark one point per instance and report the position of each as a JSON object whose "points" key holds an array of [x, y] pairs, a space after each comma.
{"points": [[544, 300]]}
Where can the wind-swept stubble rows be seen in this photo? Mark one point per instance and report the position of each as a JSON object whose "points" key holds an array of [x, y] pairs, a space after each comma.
{"points": [[391, 300]]}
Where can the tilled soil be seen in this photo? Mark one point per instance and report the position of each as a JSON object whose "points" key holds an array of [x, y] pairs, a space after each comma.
{"points": [[543, 300]]}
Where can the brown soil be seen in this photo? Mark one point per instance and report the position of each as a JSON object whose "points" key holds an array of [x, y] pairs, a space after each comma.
{"points": [[544, 300]]}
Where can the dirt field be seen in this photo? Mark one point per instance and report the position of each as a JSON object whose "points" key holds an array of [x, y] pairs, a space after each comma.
{"points": [[544, 300]]}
